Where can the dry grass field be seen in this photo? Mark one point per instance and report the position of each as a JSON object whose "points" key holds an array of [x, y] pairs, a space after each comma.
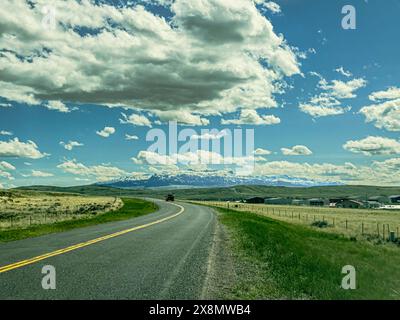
{"points": [[359, 223], [24, 209]]}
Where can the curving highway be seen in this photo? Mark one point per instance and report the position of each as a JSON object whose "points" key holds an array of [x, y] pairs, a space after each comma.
{"points": [[163, 255]]}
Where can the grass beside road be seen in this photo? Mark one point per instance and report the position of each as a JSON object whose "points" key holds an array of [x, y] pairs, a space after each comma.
{"points": [[276, 259], [132, 208]]}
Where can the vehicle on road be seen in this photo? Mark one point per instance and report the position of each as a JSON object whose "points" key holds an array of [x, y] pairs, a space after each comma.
{"points": [[170, 197]]}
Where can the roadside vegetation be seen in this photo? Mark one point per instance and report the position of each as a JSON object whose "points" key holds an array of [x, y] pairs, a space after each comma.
{"points": [[362, 224], [278, 260], [30, 215]]}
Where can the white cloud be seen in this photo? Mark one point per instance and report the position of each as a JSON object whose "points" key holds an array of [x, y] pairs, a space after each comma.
{"points": [[41, 174], [210, 135], [5, 105], [131, 137], [343, 72], [389, 94], [385, 115], [212, 56], [270, 5], [183, 117], [16, 148], [135, 119], [322, 111], [251, 117], [99, 172], [296, 151], [343, 90], [106, 132], [6, 175], [6, 133], [327, 103], [4, 165], [373, 146], [191, 158], [261, 152], [57, 106], [71, 144]]}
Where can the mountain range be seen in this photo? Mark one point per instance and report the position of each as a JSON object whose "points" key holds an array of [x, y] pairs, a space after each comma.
{"points": [[196, 180]]}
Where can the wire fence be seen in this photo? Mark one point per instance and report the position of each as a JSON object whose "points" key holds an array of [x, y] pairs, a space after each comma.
{"points": [[354, 223]]}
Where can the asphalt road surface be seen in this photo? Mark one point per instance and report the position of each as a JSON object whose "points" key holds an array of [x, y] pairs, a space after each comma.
{"points": [[162, 259]]}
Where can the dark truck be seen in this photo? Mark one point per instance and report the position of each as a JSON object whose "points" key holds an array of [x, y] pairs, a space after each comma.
{"points": [[170, 197]]}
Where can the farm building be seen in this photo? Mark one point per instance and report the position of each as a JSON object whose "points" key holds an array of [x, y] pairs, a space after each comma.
{"points": [[255, 200], [316, 202], [380, 199], [394, 199], [299, 202], [282, 201], [354, 204]]}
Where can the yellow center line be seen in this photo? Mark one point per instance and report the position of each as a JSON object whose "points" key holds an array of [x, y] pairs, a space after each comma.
{"points": [[23, 263]]}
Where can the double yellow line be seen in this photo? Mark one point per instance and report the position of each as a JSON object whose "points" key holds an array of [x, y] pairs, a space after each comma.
{"points": [[23, 263]]}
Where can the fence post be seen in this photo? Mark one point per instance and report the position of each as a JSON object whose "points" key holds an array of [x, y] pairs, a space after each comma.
{"points": [[362, 228], [346, 224], [30, 220]]}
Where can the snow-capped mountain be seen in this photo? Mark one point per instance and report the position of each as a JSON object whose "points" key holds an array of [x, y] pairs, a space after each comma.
{"points": [[194, 180]]}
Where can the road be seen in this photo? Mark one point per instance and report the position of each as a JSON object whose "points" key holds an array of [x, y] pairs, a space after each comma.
{"points": [[161, 258]]}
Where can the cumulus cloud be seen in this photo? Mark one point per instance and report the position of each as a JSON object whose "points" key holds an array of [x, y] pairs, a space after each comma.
{"points": [[5, 105], [71, 145], [296, 151], [41, 174], [327, 103], [343, 72], [6, 133], [131, 137], [384, 114], [261, 152], [136, 120], [322, 111], [210, 135], [106, 132], [211, 56], [99, 172], [342, 89], [16, 148], [373, 146], [6, 175], [57, 106], [191, 158], [251, 117], [377, 173], [389, 94], [4, 165], [270, 5]]}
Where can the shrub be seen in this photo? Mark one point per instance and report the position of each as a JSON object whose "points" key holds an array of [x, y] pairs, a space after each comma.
{"points": [[320, 224]]}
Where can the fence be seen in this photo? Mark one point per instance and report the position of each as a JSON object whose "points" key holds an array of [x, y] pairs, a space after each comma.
{"points": [[376, 224], [37, 219]]}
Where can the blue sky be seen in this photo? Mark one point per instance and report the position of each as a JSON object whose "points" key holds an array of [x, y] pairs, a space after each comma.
{"points": [[124, 67]]}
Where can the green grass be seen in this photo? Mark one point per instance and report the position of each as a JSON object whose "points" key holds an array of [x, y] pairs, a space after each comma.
{"points": [[132, 208], [275, 259], [230, 193]]}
